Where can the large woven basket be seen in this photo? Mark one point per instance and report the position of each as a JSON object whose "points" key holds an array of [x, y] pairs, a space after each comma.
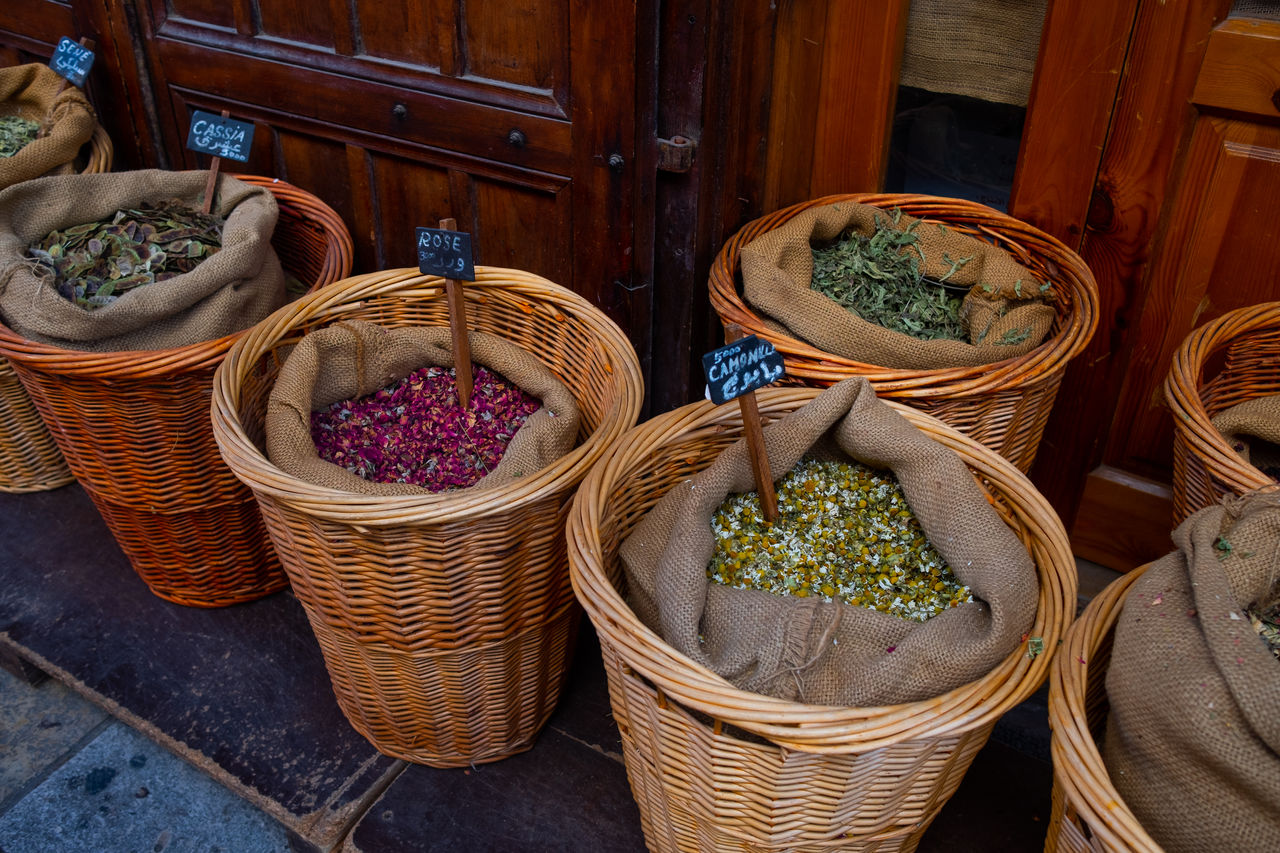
{"points": [[1088, 815], [1221, 364], [29, 458], [1003, 405], [133, 427], [807, 777], [446, 620]]}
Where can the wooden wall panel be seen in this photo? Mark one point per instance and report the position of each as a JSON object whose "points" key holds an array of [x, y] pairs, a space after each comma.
{"points": [[218, 13], [1219, 253], [1082, 52], [499, 32], [1149, 130], [407, 194], [526, 228], [419, 33], [303, 21]]}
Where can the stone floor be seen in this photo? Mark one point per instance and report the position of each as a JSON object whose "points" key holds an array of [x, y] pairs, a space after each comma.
{"points": [[169, 729]]}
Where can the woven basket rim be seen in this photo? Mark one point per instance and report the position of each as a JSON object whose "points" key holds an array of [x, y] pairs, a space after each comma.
{"points": [[1182, 392], [817, 728], [101, 152], [1077, 763], [805, 361], [147, 364], [252, 467]]}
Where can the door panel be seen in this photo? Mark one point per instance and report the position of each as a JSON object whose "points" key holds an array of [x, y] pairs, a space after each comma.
{"points": [[1180, 230], [399, 114]]}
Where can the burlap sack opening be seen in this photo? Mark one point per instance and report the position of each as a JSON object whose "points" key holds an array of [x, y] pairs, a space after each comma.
{"points": [[1004, 297], [231, 290], [1252, 428], [1193, 737], [803, 649], [66, 122], [354, 358]]}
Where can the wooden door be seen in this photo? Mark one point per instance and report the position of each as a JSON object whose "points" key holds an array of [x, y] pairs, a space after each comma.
{"points": [[1178, 226], [515, 118]]}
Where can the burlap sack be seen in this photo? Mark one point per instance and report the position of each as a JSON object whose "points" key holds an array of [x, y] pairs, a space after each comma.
{"points": [[231, 290], [66, 121], [1252, 428], [1193, 738], [354, 358], [803, 649], [1004, 296]]}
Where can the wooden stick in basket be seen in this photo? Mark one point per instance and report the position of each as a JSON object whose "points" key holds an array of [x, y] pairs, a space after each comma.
{"points": [[213, 178], [755, 442], [458, 328]]}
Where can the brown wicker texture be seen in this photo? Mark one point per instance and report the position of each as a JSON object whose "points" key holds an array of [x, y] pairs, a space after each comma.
{"points": [[1088, 815], [1246, 343], [29, 458], [822, 778], [134, 428], [446, 621], [101, 153], [1004, 405]]}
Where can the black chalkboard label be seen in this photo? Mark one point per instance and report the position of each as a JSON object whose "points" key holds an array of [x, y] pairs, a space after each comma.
{"points": [[744, 365], [221, 137], [72, 61], [445, 253]]}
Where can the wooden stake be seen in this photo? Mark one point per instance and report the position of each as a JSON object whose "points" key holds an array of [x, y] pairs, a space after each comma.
{"points": [[212, 185], [755, 442], [458, 327]]}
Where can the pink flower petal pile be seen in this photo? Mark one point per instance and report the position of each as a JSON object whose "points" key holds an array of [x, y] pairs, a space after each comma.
{"points": [[414, 431]]}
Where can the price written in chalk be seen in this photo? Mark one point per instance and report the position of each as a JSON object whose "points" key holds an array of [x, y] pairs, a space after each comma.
{"points": [[72, 61], [744, 365], [221, 137], [445, 253]]}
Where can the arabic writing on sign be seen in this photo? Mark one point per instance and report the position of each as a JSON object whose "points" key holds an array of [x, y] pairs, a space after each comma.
{"points": [[220, 137], [72, 61], [445, 253], [742, 366]]}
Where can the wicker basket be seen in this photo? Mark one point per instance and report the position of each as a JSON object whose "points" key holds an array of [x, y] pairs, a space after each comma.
{"points": [[132, 426], [1205, 468], [822, 778], [446, 621], [1004, 405], [1088, 814], [29, 458]]}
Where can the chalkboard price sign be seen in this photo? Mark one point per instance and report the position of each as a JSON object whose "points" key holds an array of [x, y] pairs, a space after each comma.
{"points": [[221, 137], [744, 365], [445, 253], [72, 61]]}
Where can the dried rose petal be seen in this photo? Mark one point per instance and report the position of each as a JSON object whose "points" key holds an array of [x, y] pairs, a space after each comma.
{"points": [[415, 432]]}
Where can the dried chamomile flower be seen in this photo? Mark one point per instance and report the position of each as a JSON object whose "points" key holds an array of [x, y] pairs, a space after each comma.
{"points": [[844, 532]]}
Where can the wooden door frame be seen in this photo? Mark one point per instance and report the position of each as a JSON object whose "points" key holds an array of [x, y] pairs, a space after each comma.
{"points": [[1141, 59]]}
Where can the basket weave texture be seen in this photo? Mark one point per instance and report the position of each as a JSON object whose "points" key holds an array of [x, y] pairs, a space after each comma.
{"points": [[133, 426], [446, 620], [1005, 405], [1088, 814], [1205, 468], [804, 777], [29, 458]]}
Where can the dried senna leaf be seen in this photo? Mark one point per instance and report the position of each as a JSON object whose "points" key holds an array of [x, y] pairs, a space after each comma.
{"points": [[95, 263]]}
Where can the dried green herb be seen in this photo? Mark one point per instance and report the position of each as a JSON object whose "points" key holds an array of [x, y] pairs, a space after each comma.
{"points": [[1266, 621], [844, 531], [96, 262], [879, 277], [15, 133]]}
